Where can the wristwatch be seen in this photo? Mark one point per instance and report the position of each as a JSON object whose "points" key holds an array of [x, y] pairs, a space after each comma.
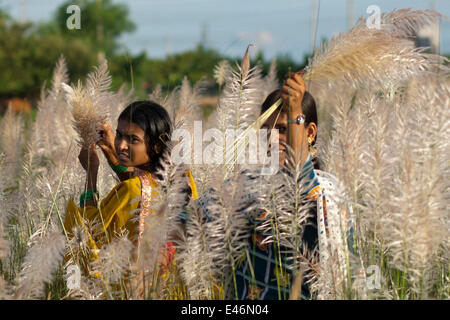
{"points": [[299, 120]]}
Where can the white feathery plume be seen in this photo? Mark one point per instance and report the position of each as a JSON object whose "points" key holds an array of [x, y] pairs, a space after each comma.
{"points": [[64, 133], [114, 260], [45, 133], [222, 72], [369, 139], [407, 21], [418, 221], [369, 58], [42, 260], [238, 108], [197, 268], [53, 135], [173, 188], [90, 289], [78, 248], [169, 199], [120, 100], [48, 174], [3, 290], [376, 168], [240, 102], [394, 164], [4, 243], [271, 80], [151, 248], [90, 104], [347, 143], [288, 211], [28, 199], [157, 95], [229, 227], [170, 103], [11, 142], [216, 238], [52, 131], [78, 254], [334, 242], [308, 274], [60, 75], [363, 56], [187, 111]]}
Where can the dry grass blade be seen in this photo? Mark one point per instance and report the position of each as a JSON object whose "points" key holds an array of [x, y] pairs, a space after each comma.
{"points": [[245, 64]]}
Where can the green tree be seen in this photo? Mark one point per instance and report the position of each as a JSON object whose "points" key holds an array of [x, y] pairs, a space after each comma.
{"points": [[195, 64], [102, 22], [3, 17], [27, 58]]}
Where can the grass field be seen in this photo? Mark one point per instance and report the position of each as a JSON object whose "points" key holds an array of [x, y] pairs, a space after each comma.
{"points": [[384, 132]]}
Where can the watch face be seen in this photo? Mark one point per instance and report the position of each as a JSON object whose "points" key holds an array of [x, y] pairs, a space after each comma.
{"points": [[298, 120], [301, 119]]}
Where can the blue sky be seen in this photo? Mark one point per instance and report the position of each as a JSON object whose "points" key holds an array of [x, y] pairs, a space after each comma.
{"points": [[276, 27]]}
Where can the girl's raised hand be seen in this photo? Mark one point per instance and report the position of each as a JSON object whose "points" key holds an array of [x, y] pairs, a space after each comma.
{"points": [[89, 159], [106, 143], [293, 90]]}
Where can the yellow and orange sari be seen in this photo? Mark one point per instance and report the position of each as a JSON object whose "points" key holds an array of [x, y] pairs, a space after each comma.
{"points": [[114, 215]]}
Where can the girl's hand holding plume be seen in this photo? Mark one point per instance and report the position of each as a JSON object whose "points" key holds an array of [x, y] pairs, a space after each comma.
{"points": [[292, 93], [106, 143]]}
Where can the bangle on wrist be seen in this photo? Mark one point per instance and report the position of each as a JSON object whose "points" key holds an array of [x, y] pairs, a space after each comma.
{"points": [[118, 168], [88, 195]]}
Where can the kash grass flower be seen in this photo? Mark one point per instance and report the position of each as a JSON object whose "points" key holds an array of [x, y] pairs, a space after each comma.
{"points": [[221, 72], [188, 109], [90, 104], [381, 56], [114, 260], [11, 142], [197, 267], [40, 263], [240, 102], [271, 80], [4, 243]]}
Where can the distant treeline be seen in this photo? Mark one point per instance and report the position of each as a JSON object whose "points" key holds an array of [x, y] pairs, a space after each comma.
{"points": [[29, 51]]}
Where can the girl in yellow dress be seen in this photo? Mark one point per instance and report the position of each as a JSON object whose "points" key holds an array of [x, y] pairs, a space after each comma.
{"points": [[142, 137]]}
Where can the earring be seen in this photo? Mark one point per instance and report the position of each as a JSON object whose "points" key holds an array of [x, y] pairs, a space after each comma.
{"points": [[312, 149]]}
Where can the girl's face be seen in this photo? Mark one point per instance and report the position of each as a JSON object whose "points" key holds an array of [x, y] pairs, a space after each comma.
{"points": [[130, 144], [278, 121]]}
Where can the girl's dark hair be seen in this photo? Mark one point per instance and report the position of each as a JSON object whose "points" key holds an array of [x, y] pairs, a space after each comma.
{"points": [[156, 123], [308, 109]]}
